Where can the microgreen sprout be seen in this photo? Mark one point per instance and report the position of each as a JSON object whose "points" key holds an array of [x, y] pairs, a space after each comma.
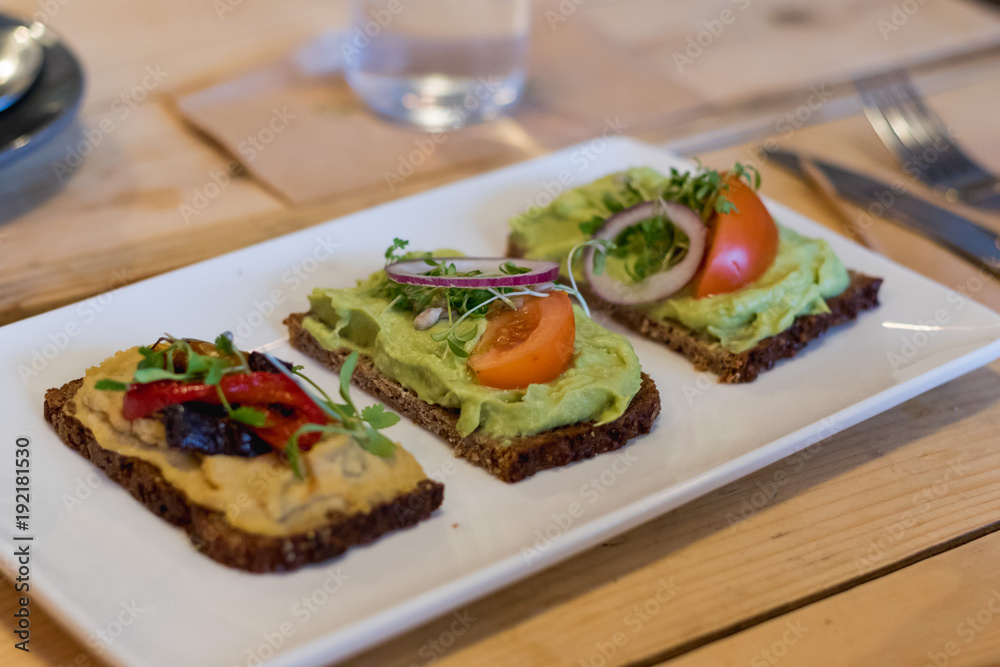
{"points": [[651, 245], [160, 362], [363, 426], [601, 248], [456, 339], [391, 254], [704, 190], [460, 303]]}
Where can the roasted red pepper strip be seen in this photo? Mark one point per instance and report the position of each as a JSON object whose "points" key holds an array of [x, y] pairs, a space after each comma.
{"points": [[280, 428], [142, 400], [257, 390]]}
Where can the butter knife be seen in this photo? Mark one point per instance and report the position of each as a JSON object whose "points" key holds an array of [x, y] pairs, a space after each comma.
{"points": [[890, 201]]}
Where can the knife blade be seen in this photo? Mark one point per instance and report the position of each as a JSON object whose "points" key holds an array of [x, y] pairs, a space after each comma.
{"points": [[891, 201]]}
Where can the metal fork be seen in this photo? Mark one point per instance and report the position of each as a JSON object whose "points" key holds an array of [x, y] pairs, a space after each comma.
{"points": [[922, 142]]}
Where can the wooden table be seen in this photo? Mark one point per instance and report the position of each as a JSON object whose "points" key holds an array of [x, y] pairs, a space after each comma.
{"points": [[875, 546]]}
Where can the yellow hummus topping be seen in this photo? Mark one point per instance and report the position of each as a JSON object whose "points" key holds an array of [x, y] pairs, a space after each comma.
{"points": [[259, 494]]}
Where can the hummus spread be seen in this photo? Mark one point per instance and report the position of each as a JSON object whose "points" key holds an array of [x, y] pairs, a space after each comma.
{"points": [[261, 494]]}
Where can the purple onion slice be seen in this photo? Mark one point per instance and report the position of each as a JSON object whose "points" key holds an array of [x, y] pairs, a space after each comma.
{"points": [[414, 272], [659, 285]]}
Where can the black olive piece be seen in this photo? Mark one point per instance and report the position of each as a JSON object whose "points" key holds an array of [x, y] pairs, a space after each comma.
{"points": [[205, 428]]}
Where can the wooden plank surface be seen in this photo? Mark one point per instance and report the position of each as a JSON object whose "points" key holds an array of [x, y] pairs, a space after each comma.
{"points": [[730, 50], [805, 540], [853, 506], [129, 190], [857, 505], [944, 611]]}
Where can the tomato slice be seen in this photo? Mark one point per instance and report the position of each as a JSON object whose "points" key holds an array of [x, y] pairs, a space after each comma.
{"points": [[743, 243], [530, 345]]}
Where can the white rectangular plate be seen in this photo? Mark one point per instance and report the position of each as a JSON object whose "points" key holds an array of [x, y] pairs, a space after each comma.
{"points": [[104, 564]]}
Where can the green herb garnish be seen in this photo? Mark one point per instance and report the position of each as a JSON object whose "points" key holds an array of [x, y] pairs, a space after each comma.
{"points": [[243, 414], [294, 460], [655, 244], [363, 426], [592, 226], [224, 344], [457, 300], [650, 246], [178, 361], [107, 384], [391, 254], [601, 248], [459, 303], [512, 269], [704, 190]]}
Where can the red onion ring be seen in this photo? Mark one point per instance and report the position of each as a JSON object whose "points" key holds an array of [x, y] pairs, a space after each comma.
{"points": [[412, 272], [660, 285]]}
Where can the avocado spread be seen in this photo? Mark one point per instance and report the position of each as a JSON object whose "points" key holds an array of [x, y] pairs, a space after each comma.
{"points": [[598, 386], [260, 495], [804, 274]]}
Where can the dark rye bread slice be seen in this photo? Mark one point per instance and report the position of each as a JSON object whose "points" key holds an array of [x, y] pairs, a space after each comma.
{"points": [[208, 529], [734, 367], [524, 455]]}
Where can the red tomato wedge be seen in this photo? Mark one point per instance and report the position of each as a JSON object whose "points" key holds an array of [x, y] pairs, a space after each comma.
{"points": [[530, 345], [742, 244]]}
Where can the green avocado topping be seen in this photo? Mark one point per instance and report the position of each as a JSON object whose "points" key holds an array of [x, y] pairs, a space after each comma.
{"points": [[599, 384], [804, 274]]}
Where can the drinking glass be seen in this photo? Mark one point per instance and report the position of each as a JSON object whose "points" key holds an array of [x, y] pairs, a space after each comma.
{"points": [[438, 64]]}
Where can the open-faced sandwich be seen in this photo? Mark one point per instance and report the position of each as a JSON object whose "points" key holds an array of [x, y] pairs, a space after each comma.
{"points": [[695, 261], [262, 475], [490, 355]]}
